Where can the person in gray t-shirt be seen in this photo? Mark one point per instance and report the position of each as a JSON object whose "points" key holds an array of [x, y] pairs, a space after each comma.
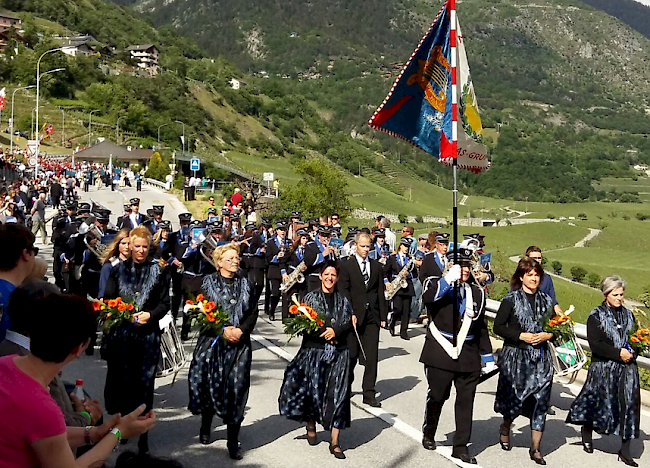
{"points": [[38, 217]]}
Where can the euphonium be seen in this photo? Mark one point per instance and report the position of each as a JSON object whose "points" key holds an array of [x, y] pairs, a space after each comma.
{"points": [[98, 249], [207, 245]]}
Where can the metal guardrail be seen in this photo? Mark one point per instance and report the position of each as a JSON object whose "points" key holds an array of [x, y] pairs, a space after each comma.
{"points": [[156, 183], [492, 307]]}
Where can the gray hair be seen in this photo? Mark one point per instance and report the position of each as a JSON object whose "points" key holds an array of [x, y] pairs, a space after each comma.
{"points": [[610, 283], [361, 235], [385, 222]]}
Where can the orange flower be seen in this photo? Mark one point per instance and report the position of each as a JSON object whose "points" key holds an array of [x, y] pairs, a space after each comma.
{"points": [[634, 339], [293, 309], [121, 307], [97, 306], [199, 298], [320, 322], [209, 306], [313, 314], [211, 317], [552, 323], [112, 303], [129, 307], [189, 302], [119, 300]]}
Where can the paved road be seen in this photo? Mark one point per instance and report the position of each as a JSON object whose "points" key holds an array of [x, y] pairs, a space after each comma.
{"points": [[389, 437]]}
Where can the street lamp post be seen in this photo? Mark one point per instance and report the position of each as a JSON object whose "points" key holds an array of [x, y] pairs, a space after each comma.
{"points": [[159, 127], [62, 128], [38, 89], [90, 124], [117, 129], [11, 137], [183, 124]]}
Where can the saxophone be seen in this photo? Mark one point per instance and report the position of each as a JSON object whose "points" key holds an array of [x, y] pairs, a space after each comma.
{"points": [[296, 276], [399, 281]]}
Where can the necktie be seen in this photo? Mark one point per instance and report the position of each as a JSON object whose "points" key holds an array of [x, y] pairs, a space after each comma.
{"points": [[364, 271]]}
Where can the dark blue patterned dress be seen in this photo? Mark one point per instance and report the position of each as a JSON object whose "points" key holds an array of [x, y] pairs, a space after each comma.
{"points": [[525, 371], [132, 352], [220, 373], [610, 398], [316, 382]]}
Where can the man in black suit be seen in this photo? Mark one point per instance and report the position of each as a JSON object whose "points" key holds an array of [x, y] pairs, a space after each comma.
{"points": [[361, 281], [445, 363], [155, 219], [317, 252], [435, 261], [174, 250], [56, 192]]}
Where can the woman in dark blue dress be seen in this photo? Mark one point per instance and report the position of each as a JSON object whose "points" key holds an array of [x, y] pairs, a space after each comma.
{"points": [[610, 400], [220, 373], [133, 350], [316, 387], [526, 368]]}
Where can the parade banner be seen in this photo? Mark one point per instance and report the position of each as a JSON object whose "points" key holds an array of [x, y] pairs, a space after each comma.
{"points": [[419, 106]]}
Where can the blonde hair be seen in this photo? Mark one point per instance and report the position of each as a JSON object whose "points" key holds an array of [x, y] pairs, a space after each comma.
{"points": [[114, 247], [140, 232], [39, 269], [222, 249], [157, 237]]}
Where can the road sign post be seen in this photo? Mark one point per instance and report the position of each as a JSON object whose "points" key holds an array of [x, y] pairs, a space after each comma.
{"points": [[195, 165], [268, 177]]}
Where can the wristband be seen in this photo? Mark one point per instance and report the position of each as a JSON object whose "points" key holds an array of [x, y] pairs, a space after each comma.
{"points": [[116, 432], [87, 414], [87, 438]]}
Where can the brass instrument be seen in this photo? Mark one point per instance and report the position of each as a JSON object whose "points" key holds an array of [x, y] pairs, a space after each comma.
{"points": [[296, 276], [98, 249], [207, 245], [400, 280]]}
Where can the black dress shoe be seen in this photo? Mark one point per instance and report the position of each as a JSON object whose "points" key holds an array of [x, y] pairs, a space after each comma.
{"points": [[204, 437], [371, 401], [627, 461], [465, 458], [337, 453], [539, 460], [428, 444], [588, 447], [235, 452], [405, 337], [392, 331]]}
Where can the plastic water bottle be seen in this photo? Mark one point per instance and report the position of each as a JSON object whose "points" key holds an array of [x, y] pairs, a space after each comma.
{"points": [[79, 390]]}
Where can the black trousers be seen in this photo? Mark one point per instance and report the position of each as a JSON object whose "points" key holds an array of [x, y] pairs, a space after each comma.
{"points": [[186, 192], [138, 186], [439, 382], [401, 309], [56, 201], [273, 290], [369, 335], [299, 289]]}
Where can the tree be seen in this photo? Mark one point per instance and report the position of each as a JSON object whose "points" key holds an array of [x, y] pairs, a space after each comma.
{"points": [[157, 169], [557, 267], [593, 280], [578, 274], [322, 191]]}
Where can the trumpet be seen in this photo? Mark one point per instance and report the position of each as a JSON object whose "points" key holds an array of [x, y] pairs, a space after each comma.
{"points": [[296, 276], [400, 280]]}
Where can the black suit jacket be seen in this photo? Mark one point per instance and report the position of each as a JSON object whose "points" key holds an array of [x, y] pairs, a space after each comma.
{"points": [[391, 270], [368, 303], [441, 313], [126, 221]]}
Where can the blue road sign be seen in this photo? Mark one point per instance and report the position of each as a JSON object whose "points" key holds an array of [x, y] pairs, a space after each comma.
{"points": [[195, 164]]}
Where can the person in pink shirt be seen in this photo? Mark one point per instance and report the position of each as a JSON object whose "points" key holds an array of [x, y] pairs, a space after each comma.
{"points": [[32, 427]]}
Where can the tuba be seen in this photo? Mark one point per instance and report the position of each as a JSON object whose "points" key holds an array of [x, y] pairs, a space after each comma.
{"points": [[99, 248], [400, 280], [207, 245]]}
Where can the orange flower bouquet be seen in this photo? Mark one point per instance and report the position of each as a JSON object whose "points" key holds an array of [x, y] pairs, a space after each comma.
{"points": [[208, 316], [639, 340], [114, 313], [304, 319], [560, 326]]}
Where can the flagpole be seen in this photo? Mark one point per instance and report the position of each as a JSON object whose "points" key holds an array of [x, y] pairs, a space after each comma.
{"points": [[454, 145]]}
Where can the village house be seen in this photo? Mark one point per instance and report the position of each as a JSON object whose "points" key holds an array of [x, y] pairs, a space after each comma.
{"points": [[146, 57]]}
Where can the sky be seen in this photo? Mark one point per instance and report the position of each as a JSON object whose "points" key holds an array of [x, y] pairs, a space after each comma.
{"points": [[645, 2]]}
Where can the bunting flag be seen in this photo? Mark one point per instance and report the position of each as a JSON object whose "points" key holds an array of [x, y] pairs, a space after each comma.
{"points": [[421, 105]]}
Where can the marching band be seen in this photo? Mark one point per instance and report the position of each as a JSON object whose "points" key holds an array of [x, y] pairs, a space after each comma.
{"points": [[287, 260]]}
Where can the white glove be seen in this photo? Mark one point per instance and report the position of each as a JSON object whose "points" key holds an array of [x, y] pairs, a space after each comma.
{"points": [[453, 274]]}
